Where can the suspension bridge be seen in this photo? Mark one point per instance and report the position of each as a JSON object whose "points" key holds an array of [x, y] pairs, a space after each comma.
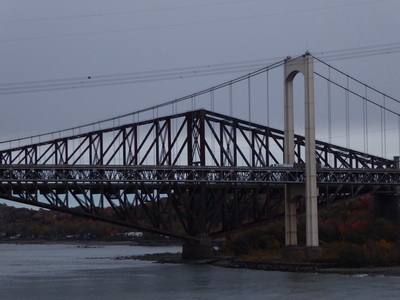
{"points": [[217, 161]]}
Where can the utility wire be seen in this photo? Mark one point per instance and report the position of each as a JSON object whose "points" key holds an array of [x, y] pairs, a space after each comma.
{"points": [[139, 11], [130, 78], [181, 73], [251, 17], [123, 78]]}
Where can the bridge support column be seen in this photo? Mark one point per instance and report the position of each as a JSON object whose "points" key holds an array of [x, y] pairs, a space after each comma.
{"points": [[291, 194], [197, 250], [302, 65]]}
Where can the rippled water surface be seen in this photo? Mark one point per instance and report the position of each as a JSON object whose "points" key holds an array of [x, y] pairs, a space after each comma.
{"points": [[76, 272]]}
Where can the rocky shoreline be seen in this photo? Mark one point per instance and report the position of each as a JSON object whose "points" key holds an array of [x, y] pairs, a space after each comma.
{"points": [[276, 265]]}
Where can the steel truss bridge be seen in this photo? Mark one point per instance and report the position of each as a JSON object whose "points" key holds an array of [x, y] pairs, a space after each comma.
{"points": [[190, 175]]}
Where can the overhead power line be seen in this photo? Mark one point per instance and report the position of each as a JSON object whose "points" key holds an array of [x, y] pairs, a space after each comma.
{"points": [[359, 52], [126, 12], [181, 73], [131, 77]]}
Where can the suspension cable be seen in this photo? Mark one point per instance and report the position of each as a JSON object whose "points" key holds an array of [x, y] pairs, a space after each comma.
{"points": [[356, 80], [358, 95], [168, 103]]}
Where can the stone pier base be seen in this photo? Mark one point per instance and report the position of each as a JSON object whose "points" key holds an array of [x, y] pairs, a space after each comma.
{"points": [[196, 251]]}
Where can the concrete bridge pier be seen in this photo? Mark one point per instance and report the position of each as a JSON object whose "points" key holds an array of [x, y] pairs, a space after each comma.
{"points": [[197, 250]]}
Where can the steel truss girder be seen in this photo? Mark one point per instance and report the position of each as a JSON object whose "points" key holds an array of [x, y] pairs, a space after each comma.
{"points": [[189, 167], [193, 138]]}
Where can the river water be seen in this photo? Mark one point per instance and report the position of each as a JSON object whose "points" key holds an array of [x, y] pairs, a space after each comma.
{"points": [[59, 271]]}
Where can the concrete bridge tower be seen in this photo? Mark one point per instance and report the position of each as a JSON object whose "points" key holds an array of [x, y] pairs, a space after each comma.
{"points": [[303, 65]]}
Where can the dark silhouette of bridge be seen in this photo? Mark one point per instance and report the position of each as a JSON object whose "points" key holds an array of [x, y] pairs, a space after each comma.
{"points": [[196, 175]]}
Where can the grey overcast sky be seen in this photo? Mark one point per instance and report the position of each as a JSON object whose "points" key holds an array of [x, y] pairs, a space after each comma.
{"points": [[43, 40]]}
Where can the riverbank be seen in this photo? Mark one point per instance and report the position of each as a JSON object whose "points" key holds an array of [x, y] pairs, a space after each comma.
{"points": [[225, 262], [274, 265]]}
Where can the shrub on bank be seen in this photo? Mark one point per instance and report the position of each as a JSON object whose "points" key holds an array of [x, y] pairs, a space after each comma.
{"points": [[352, 255], [263, 240]]}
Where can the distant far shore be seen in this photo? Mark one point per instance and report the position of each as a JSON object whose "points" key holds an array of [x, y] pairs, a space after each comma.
{"points": [[155, 243]]}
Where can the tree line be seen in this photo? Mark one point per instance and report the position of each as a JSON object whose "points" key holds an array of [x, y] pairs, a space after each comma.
{"points": [[25, 223]]}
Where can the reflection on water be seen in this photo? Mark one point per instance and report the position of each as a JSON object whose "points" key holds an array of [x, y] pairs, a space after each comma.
{"points": [[72, 272]]}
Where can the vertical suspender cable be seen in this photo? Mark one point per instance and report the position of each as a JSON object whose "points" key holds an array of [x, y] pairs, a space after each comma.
{"points": [[120, 141], [230, 100], [249, 96], [229, 139], [212, 124], [155, 133], [329, 108], [212, 104], [174, 129], [137, 139], [382, 139], [347, 98], [365, 108], [267, 158], [73, 142], [384, 126], [364, 124], [80, 148], [398, 128], [268, 99], [113, 139]]}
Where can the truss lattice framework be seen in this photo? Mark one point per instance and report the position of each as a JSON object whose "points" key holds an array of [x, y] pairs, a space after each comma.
{"points": [[183, 210], [186, 175], [186, 203], [196, 138]]}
